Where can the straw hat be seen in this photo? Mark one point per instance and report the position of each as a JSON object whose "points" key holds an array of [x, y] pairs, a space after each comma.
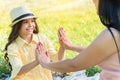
{"points": [[20, 13]]}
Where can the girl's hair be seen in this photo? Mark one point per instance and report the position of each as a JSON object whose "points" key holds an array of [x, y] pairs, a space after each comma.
{"points": [[109, 13], [14, 34]]}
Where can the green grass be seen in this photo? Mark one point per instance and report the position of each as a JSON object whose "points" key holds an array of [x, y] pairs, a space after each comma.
{"points": [[79, 21]]}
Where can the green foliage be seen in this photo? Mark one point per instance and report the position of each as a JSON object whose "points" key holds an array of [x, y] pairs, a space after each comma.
{"points": [[92, 71], [4, 67]]}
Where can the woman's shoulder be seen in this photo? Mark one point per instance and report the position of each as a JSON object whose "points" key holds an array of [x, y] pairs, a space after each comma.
{"points": [[113, 31], [106, 37]]}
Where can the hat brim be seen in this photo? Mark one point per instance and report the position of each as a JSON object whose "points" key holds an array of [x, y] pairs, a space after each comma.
{"points": [[22, 19]]}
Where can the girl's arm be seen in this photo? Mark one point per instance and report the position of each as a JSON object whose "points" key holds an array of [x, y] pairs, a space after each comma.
{"points": [[26, 68]]}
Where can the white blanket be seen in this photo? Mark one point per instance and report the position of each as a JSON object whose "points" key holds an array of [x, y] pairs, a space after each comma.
{"points": [[79, 75]]}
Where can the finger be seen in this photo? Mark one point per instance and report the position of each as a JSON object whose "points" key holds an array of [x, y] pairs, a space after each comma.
{"points": [[60, 29], [59, 37], [37, 48], [37, 52], [47, 54], [40, 44], [61, 34], [62, 37], [40, 47]]}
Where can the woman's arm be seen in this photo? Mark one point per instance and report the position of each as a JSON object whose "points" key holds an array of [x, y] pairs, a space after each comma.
{"points": [[100, 49], [77, 48]]}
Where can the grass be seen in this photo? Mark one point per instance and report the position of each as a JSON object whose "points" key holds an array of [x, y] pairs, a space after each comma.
{"points": [[80, 27], [77, 17]]}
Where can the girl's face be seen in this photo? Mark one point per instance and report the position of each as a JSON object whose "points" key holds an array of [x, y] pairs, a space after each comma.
{"points": [[27, 27]]}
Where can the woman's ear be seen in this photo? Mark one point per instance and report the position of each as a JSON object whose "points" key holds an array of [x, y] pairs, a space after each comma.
{"points": [[96, 2]]}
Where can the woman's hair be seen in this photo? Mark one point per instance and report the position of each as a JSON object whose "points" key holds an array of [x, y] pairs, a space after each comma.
{"points": [[14, 34], [109, 13]]}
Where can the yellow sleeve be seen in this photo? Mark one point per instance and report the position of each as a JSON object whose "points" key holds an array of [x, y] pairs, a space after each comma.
{"points": [[53, 53], [50, 49], [14, 59]]}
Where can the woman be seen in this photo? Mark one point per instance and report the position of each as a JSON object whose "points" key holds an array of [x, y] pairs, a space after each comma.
{"points": [[103, 51], [21, 46]]}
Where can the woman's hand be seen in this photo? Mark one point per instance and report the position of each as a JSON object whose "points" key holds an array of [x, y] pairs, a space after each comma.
{"points": [[63, 39], [42, 55]]}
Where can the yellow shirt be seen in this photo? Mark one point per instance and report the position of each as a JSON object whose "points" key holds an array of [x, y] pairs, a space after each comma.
{"points": [[21, 53]]}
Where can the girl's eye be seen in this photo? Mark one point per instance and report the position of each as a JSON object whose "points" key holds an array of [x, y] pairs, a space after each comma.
{"points": [[32, 20]]}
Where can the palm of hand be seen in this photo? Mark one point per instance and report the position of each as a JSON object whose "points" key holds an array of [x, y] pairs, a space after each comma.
{"points": [[42, 55], [63, 39]]}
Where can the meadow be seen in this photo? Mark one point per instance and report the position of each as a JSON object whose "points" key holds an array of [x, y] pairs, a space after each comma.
{"points": [[77, 17]]}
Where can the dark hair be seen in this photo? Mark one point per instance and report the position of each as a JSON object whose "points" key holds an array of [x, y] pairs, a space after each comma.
{"points": [[109, 13], [14, 34]]}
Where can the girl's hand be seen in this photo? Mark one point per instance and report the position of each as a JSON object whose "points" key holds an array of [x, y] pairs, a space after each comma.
{"points": [[42, 55], [63, 39]]}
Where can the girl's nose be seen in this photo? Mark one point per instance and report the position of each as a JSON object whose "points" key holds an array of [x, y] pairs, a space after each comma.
{"points": [[30, 24]]}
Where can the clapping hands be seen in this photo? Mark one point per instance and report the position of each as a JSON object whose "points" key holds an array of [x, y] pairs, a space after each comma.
{"points": [[41, 55], [63, 39]]}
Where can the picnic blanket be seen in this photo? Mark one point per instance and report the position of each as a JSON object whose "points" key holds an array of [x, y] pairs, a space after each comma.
{"points": [[79, 75]]}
